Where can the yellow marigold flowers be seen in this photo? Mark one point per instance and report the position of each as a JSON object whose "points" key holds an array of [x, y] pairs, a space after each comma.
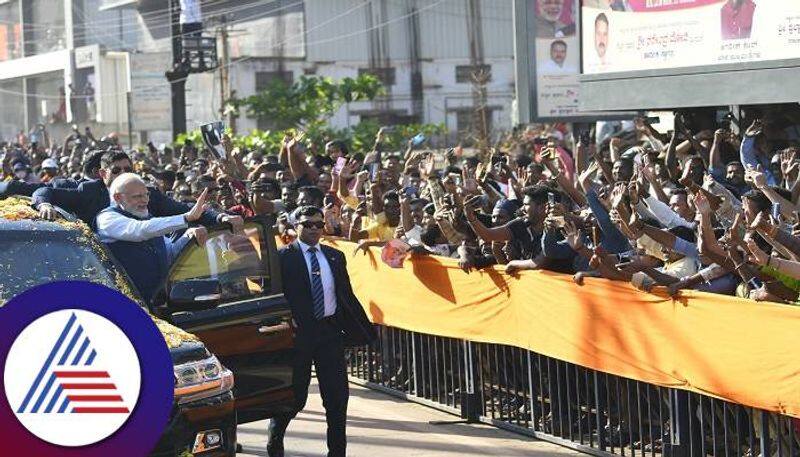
{"points": [[173, 335], [17, 209]]}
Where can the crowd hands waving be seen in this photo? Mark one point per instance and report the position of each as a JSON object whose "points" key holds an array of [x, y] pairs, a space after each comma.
{"points": [[704, 210]]}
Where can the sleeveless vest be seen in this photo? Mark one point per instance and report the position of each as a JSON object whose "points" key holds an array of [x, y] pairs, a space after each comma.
{"points": [[147, 262]]}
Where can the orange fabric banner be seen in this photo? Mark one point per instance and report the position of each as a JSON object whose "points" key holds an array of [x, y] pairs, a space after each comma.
{"points": [[734, 349]]}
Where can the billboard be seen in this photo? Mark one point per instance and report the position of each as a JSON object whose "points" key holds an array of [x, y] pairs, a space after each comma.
{"points": [[548, 57], [635, 35], [556, 56], [151, 99]]}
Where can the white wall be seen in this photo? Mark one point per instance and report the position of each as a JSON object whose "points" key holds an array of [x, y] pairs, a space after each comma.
{"points": [[337, 45], [441, 93]]}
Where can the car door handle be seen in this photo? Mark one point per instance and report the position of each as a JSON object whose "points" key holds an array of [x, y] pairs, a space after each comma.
{"points": [[274, 325]]}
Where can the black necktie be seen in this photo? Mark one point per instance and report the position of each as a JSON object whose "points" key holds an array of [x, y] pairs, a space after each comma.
{"points": [[317, 291]]}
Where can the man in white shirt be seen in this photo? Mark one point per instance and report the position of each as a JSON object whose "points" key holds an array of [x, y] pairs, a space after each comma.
{"points": [[556, 65], [136, 239]]}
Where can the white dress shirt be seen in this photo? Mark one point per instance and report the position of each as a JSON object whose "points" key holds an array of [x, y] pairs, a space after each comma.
{"points": [[326, 274], [666, 215], [113, 226], [550, 67]]}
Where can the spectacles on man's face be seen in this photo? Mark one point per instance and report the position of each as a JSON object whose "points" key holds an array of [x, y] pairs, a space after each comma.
{"points": [[314, 224], [116, 169]]}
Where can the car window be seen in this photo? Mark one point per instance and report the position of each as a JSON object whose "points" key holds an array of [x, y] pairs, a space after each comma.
{"points": [[238, 261], [32, 260]]}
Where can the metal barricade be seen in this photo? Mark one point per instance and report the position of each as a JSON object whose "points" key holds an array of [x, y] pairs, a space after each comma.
{"points": [[564, 403]]}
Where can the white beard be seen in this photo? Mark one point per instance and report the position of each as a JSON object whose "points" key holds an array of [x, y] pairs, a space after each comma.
{"points": [[143, 214]]}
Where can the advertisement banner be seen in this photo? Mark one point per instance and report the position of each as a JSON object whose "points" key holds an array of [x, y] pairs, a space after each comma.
{"points": [[150, 92], [634, 35], [556, 57]]}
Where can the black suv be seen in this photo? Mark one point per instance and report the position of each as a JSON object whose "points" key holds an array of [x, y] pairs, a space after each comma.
{"points": [[234, 366]]}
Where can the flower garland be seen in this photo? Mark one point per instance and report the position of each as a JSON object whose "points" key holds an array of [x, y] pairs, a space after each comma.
{"points": [[19, 209]]}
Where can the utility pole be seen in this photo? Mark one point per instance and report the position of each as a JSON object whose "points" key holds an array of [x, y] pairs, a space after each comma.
{"points": [[480, 78], [178, 73], [224, 73]]}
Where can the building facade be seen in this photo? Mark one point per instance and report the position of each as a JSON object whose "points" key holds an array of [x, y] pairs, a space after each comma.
{"points": [[102, 62]]}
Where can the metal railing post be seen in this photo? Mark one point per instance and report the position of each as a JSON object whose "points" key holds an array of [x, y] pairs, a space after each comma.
{"points": [[470, 399], [680, 433]]}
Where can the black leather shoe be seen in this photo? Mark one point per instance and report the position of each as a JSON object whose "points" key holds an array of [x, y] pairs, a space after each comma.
{"points": [[275, 448]]}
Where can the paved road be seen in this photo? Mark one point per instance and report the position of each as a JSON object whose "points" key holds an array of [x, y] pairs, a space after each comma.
{"points": [[380, 425]]}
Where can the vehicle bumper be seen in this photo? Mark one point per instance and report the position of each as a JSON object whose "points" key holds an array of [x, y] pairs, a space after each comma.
{"points": [[190, 421]]}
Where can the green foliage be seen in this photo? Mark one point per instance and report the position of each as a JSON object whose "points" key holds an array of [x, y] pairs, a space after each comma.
{"points": [[307, 105], [194, 136], [309, 102], [362, 135]]}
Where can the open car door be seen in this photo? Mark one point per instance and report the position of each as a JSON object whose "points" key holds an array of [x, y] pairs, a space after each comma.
{"points": [[228, 293]]}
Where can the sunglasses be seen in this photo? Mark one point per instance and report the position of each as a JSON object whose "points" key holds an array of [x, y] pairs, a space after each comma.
{"points": [[315, 224], [115, 170]]}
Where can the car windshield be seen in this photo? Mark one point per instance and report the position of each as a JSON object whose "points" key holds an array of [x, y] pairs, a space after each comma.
{"points": [[27, 260]]}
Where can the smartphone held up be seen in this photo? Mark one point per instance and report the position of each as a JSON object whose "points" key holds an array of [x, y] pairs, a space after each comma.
{"points": [[212, 138]]}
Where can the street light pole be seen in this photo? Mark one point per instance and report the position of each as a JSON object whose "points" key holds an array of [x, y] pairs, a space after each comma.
{"points": [[179, 72]]}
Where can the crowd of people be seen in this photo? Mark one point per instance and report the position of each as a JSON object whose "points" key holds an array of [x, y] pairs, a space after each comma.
{"points": [[686, 209]]}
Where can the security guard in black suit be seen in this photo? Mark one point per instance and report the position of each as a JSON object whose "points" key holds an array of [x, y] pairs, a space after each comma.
{"points": [[328, 317]]}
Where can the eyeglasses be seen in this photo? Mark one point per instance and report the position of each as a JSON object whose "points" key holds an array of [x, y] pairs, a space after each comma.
{"points": [[315, 224], [115, 170]]}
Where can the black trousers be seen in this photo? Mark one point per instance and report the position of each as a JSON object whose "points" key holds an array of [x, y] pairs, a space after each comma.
{"points": [[323, 346]]}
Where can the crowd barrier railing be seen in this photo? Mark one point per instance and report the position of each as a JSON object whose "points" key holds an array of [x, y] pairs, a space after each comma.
{"points": [[564, 403], [602, 368]]}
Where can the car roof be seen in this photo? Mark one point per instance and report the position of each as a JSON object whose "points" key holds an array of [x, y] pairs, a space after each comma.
{"points": [[27, 225]]}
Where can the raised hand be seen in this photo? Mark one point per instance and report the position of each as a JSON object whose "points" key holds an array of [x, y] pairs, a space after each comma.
{"points": [[788, 162], [362, 176], [480, 172], [734, 234], [469, 183], [702, 204], [757, 256], [635, 191], [573, 235], [197, 210], [755, 176], [686, 175], [349, 169], [430, 165], [618, 194], [523, 177], [755, 129], [762, 222]]}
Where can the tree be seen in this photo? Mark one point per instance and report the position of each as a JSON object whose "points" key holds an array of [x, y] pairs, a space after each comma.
{"points": [[309, 102]]}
